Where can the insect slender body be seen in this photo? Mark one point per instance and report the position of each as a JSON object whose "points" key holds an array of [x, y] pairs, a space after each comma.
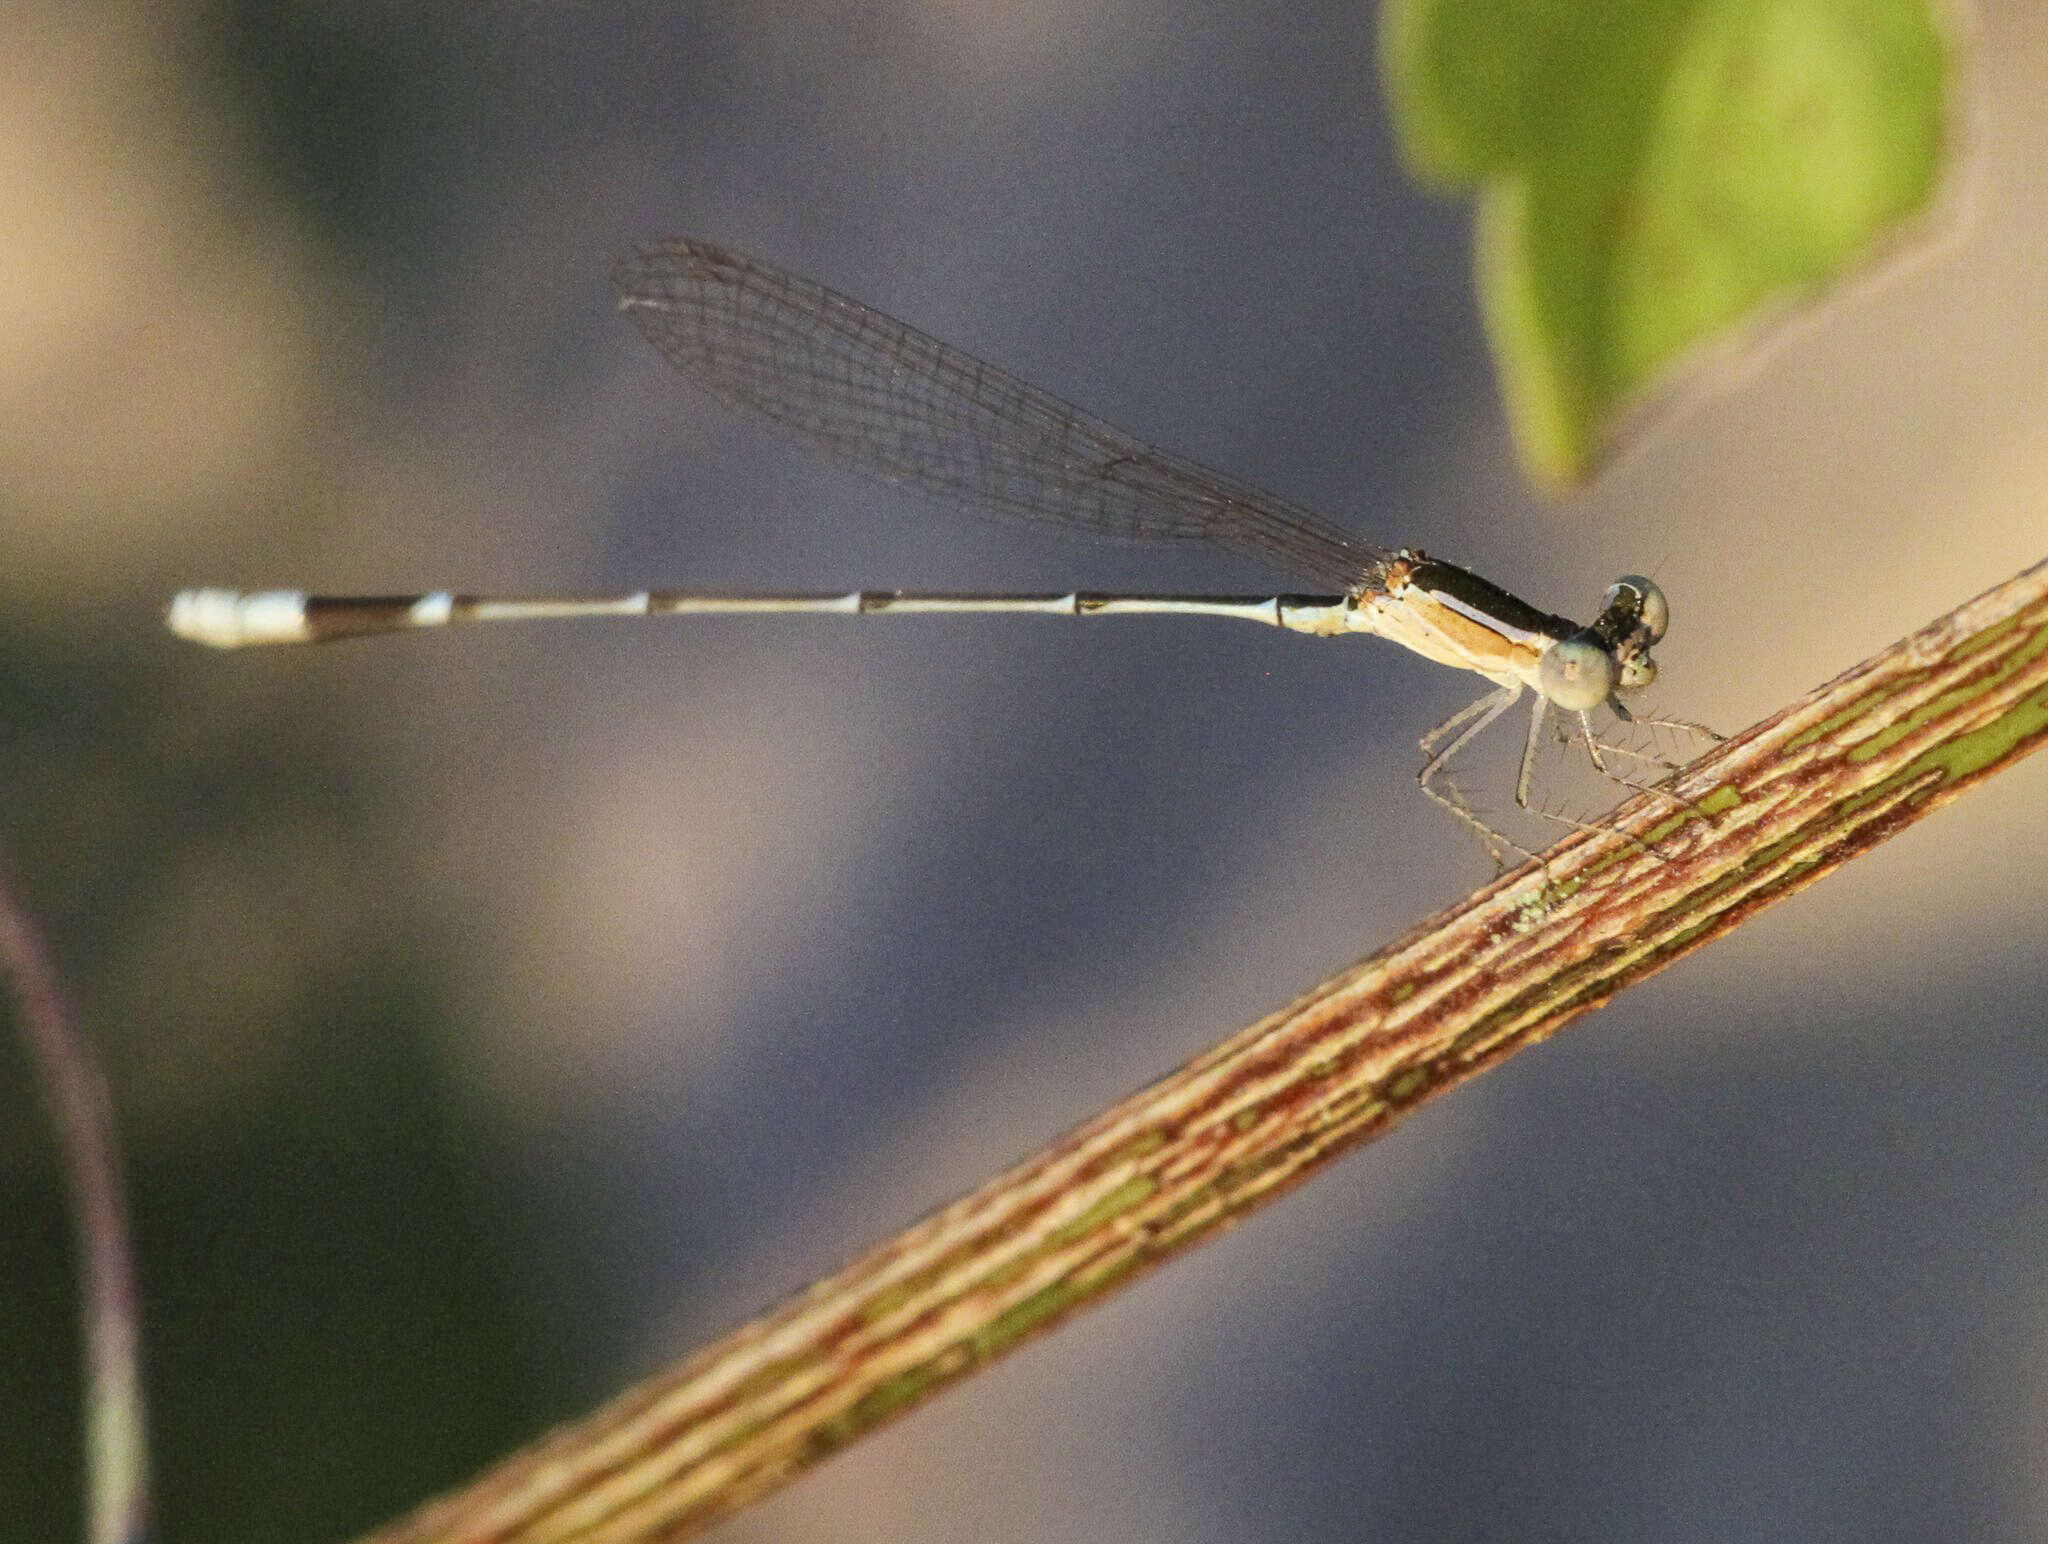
{"points": [[895, 403]]}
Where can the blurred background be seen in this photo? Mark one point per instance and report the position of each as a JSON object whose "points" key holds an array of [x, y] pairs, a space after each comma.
{"points": [[492, 1017]]}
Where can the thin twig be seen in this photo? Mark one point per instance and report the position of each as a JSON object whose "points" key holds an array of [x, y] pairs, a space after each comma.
{"points": [[116, 1441], [1766, 815]]}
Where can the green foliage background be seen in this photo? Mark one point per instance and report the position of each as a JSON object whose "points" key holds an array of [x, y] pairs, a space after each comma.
{"points": [[1650, 175]]}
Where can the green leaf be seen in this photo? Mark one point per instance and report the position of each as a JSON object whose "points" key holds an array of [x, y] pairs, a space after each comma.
{"points": [[1652, 173]]}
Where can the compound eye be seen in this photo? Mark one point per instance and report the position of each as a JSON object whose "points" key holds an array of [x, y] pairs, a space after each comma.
{"points": [[1577, 674], [1653, 611]]}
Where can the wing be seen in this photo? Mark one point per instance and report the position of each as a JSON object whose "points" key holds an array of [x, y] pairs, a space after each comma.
{"points": [[894, 402]]}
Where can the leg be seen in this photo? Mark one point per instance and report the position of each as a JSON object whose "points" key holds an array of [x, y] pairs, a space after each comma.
{"points": [[1686, 724], [1429, 740], [1524, 776], [1527, 770], [1595, 746], [1699, 732], [1469, 722]]}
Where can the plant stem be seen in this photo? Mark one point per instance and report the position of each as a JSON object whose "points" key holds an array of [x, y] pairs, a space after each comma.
{"points": [[116, 1440], [1765, 815]]}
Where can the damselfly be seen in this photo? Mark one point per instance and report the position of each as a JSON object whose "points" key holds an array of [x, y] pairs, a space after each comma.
{"points": [[896, 403]]}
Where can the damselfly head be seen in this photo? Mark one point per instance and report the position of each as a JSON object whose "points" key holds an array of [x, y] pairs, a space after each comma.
{"points": [[1633, 616], [1578, 673], [1640, 603]]}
